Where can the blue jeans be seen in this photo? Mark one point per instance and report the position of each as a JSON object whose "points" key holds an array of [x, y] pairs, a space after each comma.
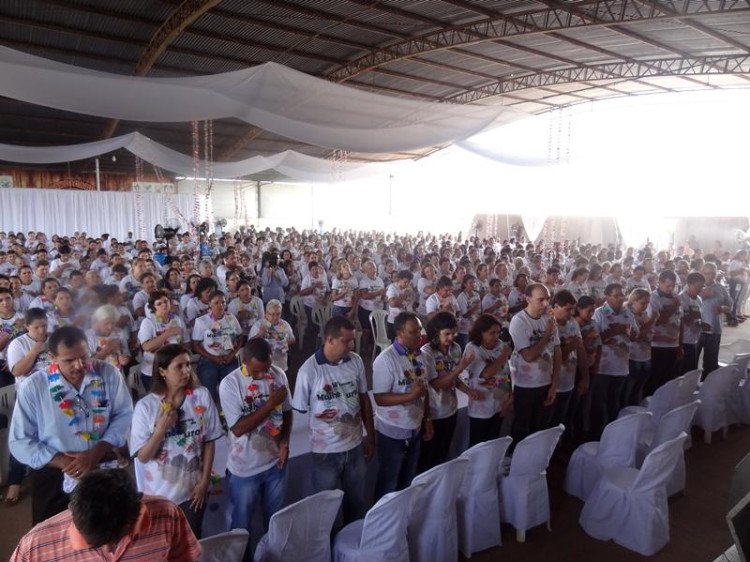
{"points": [[397, 463], [268, 487], [735, 290], [343, 471], [341, 311], [211, 374]]}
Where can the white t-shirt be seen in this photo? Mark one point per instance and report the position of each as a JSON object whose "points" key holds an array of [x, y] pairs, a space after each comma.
{"points": [[691, 330], [640, 349], [330, 393], [394, 372], [423, 284], [278, 337], [495, 389], [97, 342], [394, 292], [247, 313], [348, 287], [666, 335], [526, 331], [501, 311], [318, 295], [178, 465], [18, 349], [616, 351], [566, 380], [434, 302], [443, 403], [9, 326], [578, 289], [370, 286], [151, 328], [466, 302], [240, 395], [195, 308], [42, 302], [216, 336]]}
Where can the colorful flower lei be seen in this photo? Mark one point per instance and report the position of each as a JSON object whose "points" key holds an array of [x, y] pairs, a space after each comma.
{"points": [[67, 405]]}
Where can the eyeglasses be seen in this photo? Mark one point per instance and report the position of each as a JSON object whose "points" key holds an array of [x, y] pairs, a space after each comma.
{"points": [[81, 404]]}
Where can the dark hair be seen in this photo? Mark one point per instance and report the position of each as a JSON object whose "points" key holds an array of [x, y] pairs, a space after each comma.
{"points": [[67, 336], [481, 325], [443, 282], [402, 318], [519, 276], [165, 280], [667, 275], [162, 360], [584, 302], [441, 321], [468, 277], [695, 277], [404, 274], [562, 298], [33, 314], [215, 294], [334, 326], [155, 296], [49, 280], [256, 348], [119, 268], [611, 288], [105, 506], [5, 291], [203, 285]]}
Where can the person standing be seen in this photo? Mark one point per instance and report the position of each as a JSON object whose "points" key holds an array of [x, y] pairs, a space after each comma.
{"points": [[331, 387], [692, 320], [716, 301], [666, 345]]}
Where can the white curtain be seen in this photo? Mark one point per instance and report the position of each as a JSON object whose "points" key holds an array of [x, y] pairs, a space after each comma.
{"points": [[293, 164], [533, 224], [271, 96], [57, 211]]}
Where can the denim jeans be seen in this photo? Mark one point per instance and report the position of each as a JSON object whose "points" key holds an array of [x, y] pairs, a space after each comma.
{"points": [[341, 311], [735, 290], [268, 487], [343, 471], [397, 463], [709, 344], [211, 374], [636, 380]]}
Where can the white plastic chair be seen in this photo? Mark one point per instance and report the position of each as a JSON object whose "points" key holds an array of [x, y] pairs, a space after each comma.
{"points": [[381, 535], [477, 503], [134, 381], [727, 351], [321, 315], [617, 447], [630, 505], [301, 531], [714, 411], [688, 387], [297, 308], [662, 401], [672, 424], [524, 497], [377, 324], [224, 546], [433, 527]]}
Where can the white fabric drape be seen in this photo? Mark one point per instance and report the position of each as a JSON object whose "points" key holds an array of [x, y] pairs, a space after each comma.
{"points": [[276, 98], [505, 157], [293, 164], [533, 224], [57, 211]]}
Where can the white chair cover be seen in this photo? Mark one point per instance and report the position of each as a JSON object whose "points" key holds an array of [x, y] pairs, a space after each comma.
{"points": [[714, 410], [381, 535], [662, 401], [742, 360], [617, 447], [224, 547], [630, 505], [688, 387], [728, 351], [524, 497], [478, 507], [433, 530], [301, 531]]}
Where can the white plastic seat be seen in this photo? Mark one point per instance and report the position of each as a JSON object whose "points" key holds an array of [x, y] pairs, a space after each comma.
{"points": [[477, 503], [302, 530], [380, 334], [688, 387], [381, 535], [662, 401], [714, 411], [524, 497], [224, 546], [321, 315], [433, 531], [617, 447], [297, 308], [630, 505], [672, 424], [134, 381], [727, 351]]}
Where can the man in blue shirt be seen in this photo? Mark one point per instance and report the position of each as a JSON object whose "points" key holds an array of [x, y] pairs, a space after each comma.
{"points": [[69, 419]]}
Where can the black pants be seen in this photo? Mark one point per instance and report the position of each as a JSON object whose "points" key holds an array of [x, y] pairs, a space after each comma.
{"points": [[663, 368], [606, 393], [194, 518], [47, 496], [484, 429], [530, 413], [709, 344], [636, 380], [436, 450], [390, 331], [689, 358]]}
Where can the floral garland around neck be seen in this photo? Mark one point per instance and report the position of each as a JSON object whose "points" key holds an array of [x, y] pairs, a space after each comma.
{"points": [[69, 403], [188, 442], [254, 397]]}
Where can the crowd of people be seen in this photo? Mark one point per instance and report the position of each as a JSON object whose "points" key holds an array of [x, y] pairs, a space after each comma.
{"points": [[533, 335]]}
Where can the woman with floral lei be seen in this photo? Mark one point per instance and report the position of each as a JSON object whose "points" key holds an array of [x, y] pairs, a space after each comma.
{"points": [[105, 340], [443, 364], [161, 328], [217, 337], [173, 434], [277, 332], [489, 376]]}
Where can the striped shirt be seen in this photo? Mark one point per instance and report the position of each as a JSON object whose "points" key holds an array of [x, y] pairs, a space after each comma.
{"points": [[161, 533]]}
